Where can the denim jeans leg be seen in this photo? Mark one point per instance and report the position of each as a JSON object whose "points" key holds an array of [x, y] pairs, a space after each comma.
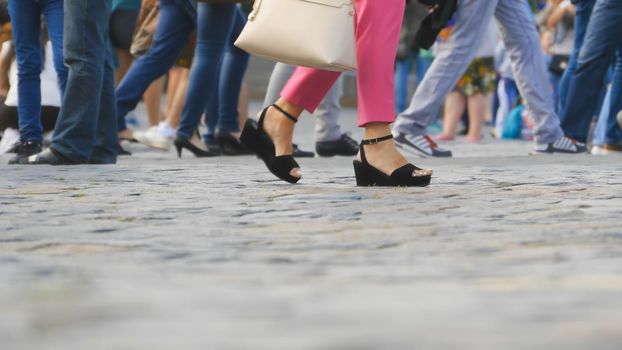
{"points": [[53, 13], [214, 26], [402, 73], [86, 32], [232, 72], [172, 34], [25, 18], [107, 137], [613, 133], [582, 19], [598, 51]]}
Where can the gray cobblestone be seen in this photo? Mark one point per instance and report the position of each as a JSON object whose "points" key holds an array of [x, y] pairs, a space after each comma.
{"points": [[158, 253]]}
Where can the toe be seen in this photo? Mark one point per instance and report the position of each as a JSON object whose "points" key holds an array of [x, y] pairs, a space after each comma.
{"points": [[296, 172], [423, 172]]}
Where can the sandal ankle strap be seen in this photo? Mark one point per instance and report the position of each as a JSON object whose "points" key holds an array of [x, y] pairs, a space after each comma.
{"points": [[376, 140], [372, 142], [285, 113]]}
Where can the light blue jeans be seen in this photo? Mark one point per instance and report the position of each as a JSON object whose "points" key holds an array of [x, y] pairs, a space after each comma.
{"points": [[523, 45]]}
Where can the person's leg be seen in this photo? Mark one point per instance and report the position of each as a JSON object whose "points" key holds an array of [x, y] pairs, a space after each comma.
{"points": [[582, 19], [523, 46], [478, 108], [85, 50], [171, 36], [25, 17], [107, 140], [174, 114], [153, 100], [602, 37], [472, 19], [214, 26], [327, 126], [232, 72], [53, 13], [281, 73], [327, 113], [402, 74], [455, 106], [613, 132]]}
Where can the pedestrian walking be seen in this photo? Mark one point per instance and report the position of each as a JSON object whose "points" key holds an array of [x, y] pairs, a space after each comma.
{"points": [[523, 45], [378, 25], [26, 24]]}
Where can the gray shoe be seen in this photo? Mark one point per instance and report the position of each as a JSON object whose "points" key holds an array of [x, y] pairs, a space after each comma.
{"points": [[564, 145], [421, 145]]}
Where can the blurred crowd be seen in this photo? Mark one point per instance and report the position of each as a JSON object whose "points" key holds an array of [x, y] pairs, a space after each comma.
{"points": [[73, 72]]}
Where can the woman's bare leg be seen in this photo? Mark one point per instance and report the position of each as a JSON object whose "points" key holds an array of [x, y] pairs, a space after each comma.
{"points": [[178, 98], [153, 100], [454, 108], [478, 106], [281, 129]]}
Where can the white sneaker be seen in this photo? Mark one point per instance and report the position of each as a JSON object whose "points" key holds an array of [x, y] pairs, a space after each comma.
{"points": [[9, 138], [154, 139], [602, 150]]}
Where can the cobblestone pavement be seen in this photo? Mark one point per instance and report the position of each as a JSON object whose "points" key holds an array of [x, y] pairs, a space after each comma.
{"points": [[157, 253]]}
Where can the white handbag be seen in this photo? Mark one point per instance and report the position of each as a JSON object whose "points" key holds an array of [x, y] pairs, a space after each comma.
{"points": [[310, 33]]}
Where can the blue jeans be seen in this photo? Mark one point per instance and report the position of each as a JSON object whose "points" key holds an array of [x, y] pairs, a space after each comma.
{"points": [[582, 19], [608, 130], [222, 113], [26, 26], [86, 131], [172, 34], [214, 36], [402, 72], [601, 45]]}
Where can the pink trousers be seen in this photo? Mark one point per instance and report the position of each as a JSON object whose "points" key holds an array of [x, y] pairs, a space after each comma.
{"points": [[378, 24]]}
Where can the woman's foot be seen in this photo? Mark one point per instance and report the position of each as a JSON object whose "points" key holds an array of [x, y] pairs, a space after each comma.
{"points": [[473, 139], [444, 137], [385, 157], [280, 129]]}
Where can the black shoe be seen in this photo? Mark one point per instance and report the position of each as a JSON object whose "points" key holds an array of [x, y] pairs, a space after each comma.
{"points": [[231, 146], [15, 147], [194, 145], [368, 175], [48, 157], [25, 150], [343, 146], [298, 153], [122, 151], [255, 138], [421, 145]]}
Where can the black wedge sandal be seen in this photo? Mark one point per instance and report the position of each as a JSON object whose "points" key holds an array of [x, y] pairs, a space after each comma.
{"points": [[254, 137], [368, 175]]}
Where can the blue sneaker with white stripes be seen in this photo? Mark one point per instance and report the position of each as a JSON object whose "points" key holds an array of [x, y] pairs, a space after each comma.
{"points": [[421, 145], [563, 145]]}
